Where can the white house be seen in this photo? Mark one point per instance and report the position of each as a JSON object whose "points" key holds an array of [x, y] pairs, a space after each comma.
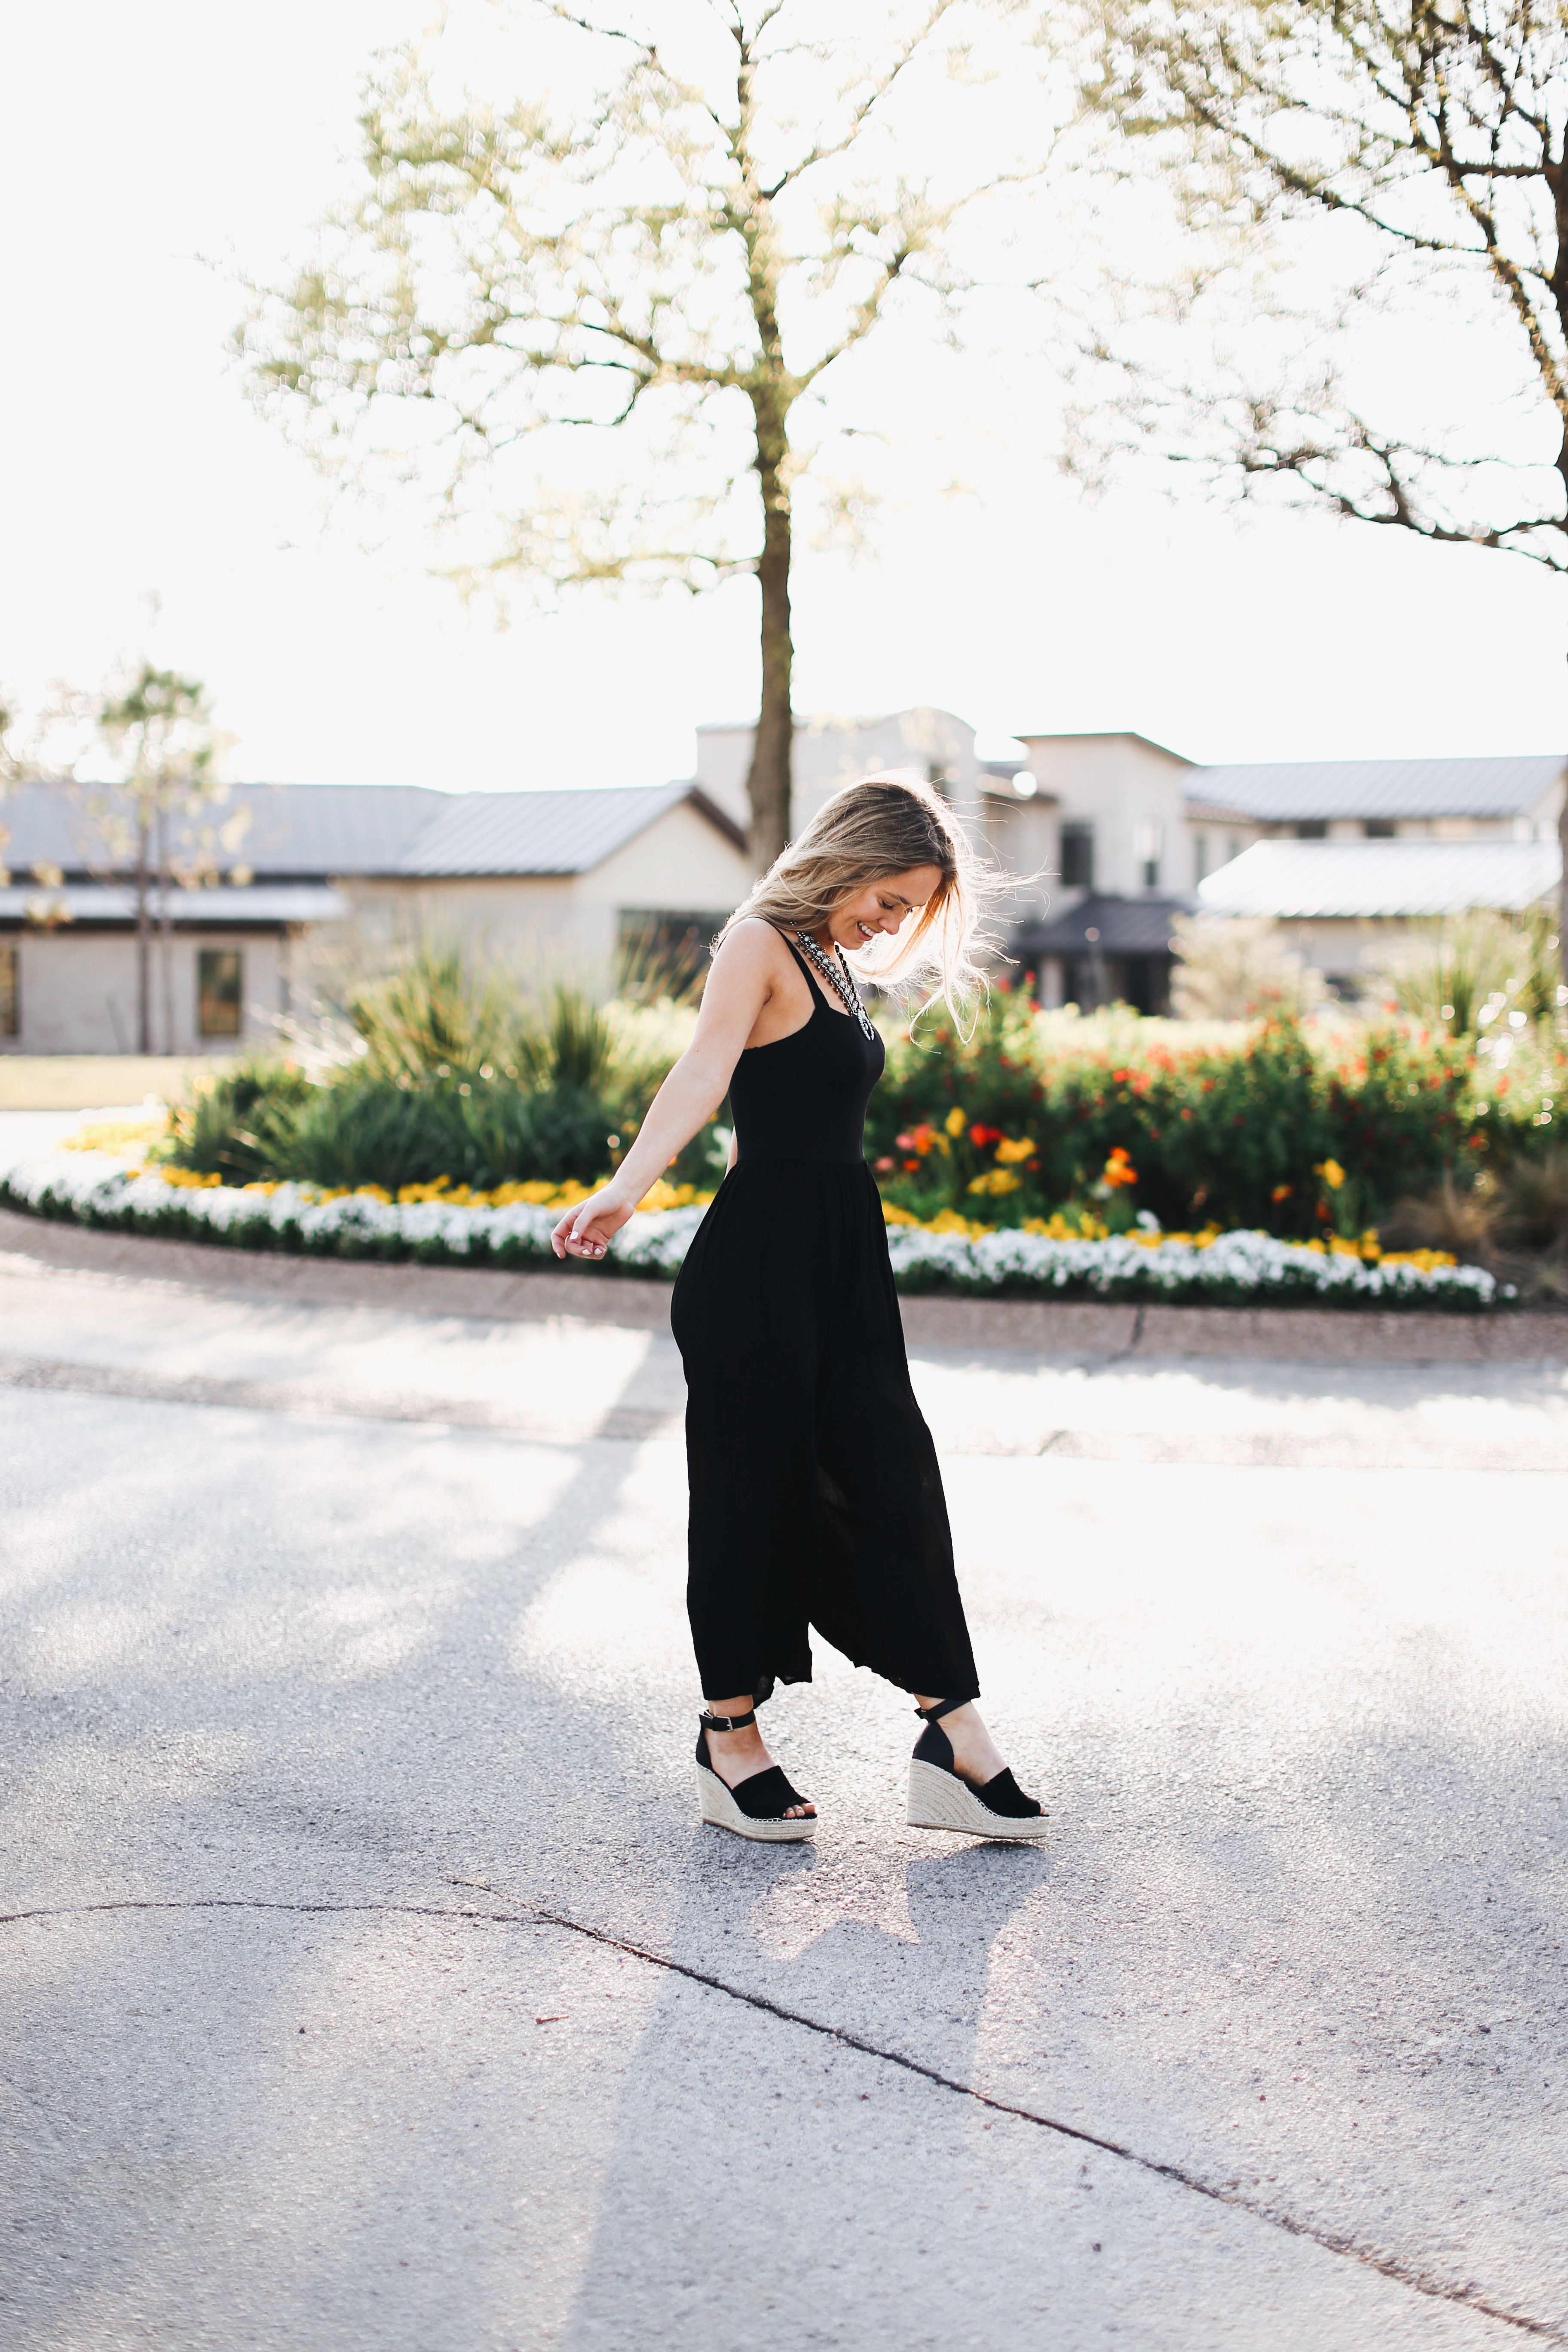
{"points": [[558, 880], [1337, 903], [1111, 835], [830, 750]]}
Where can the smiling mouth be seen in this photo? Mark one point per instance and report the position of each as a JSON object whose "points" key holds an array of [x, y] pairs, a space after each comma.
{"points": [[864, 930]]}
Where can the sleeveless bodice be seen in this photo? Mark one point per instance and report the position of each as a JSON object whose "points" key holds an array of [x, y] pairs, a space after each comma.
{"points": [[805, 1095]]}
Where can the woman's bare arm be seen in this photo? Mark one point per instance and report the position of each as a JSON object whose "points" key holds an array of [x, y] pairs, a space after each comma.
{"points": [[742, 980]]}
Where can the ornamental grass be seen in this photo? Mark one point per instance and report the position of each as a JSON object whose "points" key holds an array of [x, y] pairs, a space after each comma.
{"points": [[448, 1085]]}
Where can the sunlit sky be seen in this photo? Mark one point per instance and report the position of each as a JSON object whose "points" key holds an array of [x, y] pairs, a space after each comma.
{"points": [[144, 145]]}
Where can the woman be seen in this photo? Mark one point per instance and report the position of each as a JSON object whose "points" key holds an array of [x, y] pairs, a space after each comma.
{"points": [[815, 1495]]}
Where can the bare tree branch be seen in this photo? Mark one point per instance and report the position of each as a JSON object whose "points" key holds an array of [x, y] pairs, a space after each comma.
{"points": [[1441, 130]]}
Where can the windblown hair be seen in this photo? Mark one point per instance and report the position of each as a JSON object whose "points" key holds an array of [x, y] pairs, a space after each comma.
{"points": [[882, 825]]}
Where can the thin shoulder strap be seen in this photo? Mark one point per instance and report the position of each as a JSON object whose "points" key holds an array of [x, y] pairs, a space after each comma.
{"points": [[805, 968]]}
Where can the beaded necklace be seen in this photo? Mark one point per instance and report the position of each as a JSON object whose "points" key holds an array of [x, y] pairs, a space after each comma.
{"points": [[839, 976]]}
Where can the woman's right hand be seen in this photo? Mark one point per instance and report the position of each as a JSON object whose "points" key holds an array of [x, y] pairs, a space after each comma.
{"points": [[586, 1230]]}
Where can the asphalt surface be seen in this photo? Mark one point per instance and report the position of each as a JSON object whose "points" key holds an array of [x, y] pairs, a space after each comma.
{"points": [[366, 1979]]}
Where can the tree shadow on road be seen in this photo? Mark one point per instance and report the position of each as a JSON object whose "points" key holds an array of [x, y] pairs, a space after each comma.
{"points": [[733, 2116]]}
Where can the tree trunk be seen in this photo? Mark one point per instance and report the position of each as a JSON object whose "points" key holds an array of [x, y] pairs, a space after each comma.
{"points": [[143, 946], [166, 933], [772, 749]]}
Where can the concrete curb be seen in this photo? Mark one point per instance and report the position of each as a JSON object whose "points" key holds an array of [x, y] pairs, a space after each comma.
{"points": [[1078, 1329]]}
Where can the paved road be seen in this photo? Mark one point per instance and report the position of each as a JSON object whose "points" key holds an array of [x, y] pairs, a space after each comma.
{"points": [[368, 1983]]}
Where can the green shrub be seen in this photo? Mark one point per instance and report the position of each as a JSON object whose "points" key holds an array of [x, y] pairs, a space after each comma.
{"points": [[1295, 1130], [456, 1074], [1264, 1127]]}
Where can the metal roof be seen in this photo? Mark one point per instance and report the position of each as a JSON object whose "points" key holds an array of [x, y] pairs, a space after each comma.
{"points": [[91, 902], [294, 829], [1126, 927], [1319, 879], [546, 833], [324, 831], [1306, 788]]}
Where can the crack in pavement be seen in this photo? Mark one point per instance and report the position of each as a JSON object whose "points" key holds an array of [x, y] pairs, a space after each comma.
{"points": [[535, 1914]]}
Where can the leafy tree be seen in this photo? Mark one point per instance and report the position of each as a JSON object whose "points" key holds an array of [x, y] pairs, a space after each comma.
{"points": [[606, 335], [153, 729]]}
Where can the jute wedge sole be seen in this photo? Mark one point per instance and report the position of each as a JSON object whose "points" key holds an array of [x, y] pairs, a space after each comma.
{"points": [[720, 1807], [940, 1801]]}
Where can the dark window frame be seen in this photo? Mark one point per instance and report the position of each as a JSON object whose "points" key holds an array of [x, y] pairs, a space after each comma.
{"points": [[10, 988], [679, 939], [211, 995], [1077, 854]]}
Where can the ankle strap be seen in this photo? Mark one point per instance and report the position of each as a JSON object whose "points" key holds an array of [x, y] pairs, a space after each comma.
{"points": [[943, 1706], [711, 1722]]}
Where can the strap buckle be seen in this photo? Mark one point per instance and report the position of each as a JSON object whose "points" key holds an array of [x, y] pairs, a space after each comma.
{"points": [[711, 1722]]}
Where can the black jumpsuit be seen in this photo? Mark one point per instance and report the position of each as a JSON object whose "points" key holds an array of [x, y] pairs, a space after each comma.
{"points": [[815, 1495]]}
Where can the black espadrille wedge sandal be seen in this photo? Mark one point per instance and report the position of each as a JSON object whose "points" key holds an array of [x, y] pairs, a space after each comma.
{"points": [[942, 1799], [757, 1806]]}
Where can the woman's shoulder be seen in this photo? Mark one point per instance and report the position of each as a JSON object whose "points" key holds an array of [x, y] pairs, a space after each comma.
{"points": [[753, 942]]}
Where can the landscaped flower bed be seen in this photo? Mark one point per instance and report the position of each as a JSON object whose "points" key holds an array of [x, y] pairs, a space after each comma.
{"points": [[509, 1229]]}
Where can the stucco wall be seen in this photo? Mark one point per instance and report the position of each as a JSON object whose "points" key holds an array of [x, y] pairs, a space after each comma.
{"points": [[831, 751], [1120, 784], [1023, 838], [563, 926], [79, 992]]}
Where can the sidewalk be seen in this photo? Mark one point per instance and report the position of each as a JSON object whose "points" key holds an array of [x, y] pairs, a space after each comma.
{"points": [[368, 1985]]}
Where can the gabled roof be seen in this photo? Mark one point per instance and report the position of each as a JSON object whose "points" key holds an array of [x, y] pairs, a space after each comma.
{"points": [[1320, 880], [1300, 790], [546, 833], [323, 832], [294, 829]]}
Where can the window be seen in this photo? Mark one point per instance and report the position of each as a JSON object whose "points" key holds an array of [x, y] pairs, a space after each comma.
{"points": [[1148, 842], [217, 992], [10, 992], [1077, 857], [662, 953], [1200, 856], [1379, 828], [1313, 828], [1232, 847]]}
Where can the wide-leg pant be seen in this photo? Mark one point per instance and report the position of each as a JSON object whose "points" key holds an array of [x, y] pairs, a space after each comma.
{"points": [[815, 1499]]}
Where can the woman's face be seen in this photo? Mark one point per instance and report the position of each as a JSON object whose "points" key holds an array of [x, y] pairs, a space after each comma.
{"points": [[885, 905]]}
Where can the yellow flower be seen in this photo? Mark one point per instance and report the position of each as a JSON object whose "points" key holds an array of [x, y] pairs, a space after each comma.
{"points": [[995, 1180], [1009, 1152], [128, 1137], [955, 1121], [1332, 1174], [950, 1221], [893, 1215]]}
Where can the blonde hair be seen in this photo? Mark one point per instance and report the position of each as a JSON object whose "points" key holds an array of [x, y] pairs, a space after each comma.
{"points": [[887, 825]]}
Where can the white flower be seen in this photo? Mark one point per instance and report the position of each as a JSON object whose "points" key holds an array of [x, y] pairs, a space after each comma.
{"points": [[96, 1189]]}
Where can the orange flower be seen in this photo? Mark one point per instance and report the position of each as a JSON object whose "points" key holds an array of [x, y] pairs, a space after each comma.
{"points": [[1118, 1169]]}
